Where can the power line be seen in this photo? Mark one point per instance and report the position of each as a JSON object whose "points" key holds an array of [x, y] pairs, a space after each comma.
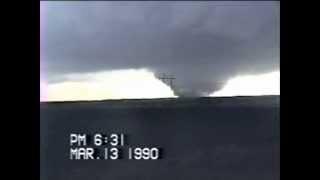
{"points": [[168, 79]]}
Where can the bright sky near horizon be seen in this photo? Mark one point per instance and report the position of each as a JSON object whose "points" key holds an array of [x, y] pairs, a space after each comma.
{"points": [[142, 84], [251, 85], [120, 84]]}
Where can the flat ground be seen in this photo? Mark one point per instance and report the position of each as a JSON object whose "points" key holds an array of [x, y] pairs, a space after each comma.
{"points": [[202, 138]]}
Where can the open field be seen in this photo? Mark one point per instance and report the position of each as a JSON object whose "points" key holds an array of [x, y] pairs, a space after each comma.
{"points": [[234, 138]]}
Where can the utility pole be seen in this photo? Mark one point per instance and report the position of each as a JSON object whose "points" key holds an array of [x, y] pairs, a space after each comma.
{"points": [[168, 79]]}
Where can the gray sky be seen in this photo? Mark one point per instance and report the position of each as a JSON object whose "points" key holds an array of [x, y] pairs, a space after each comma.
{"points": [[202, 43]]}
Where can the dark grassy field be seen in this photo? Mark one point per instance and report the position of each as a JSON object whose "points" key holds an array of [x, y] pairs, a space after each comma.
{"points": [[234, 138]]}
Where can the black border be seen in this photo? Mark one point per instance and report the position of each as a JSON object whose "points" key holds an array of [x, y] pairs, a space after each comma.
{"points": [[20, 80]]}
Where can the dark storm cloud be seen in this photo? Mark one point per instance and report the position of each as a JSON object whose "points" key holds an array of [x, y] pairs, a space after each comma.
{"points": [[201, 43]]}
